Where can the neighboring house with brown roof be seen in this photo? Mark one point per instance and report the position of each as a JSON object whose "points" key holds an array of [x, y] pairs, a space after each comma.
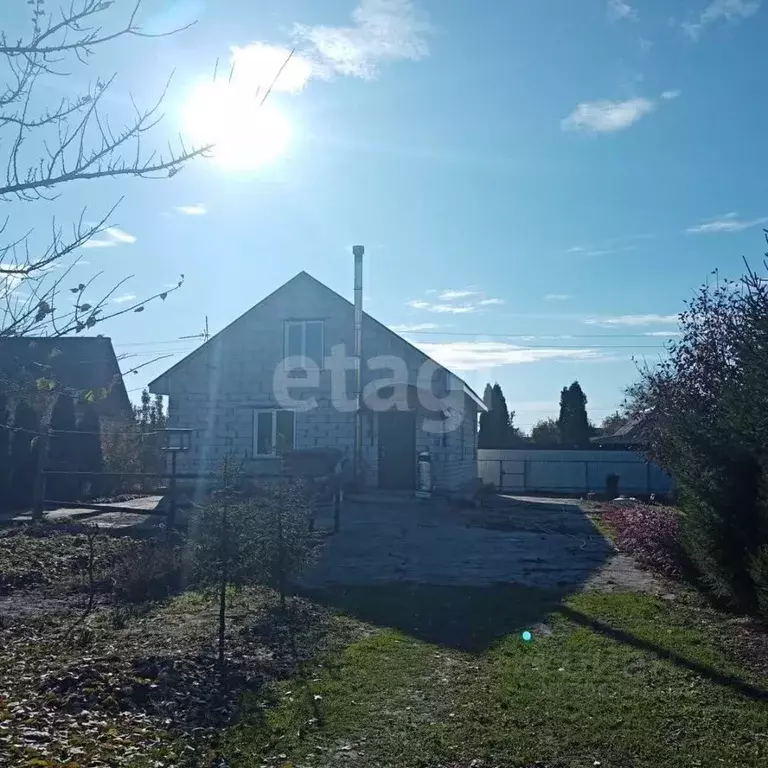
{"points": [[84, 367], [634, 434], [239, 394]]}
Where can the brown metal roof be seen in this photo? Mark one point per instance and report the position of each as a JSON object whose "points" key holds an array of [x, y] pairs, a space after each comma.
{"points": [[84, 367]]}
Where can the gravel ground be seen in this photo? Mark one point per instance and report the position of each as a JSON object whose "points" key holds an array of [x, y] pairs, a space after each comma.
{"points": [[543, 543]]}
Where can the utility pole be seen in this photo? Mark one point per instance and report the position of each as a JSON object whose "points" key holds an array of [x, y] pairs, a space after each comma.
{"points": [[358, 251]]}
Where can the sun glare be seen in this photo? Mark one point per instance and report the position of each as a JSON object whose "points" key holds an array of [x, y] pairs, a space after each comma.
{"points": [[247, 135]]}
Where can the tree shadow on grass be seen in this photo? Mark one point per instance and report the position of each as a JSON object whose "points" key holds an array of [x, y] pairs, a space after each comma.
{"points": [[622, 636], [474, 618], [462, 617]]}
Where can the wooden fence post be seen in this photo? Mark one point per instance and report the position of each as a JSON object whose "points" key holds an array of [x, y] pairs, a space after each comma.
{"points": [[42, 460], [336, 511], [172, 506]]}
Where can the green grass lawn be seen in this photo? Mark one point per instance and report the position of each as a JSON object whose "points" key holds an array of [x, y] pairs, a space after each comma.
{"points": [[443, 678]]}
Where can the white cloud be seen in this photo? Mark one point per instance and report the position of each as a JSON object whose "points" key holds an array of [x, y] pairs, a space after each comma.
{"points": [[111, 237], [198, 209], [119, 235], [414, 328], [557, 297], [9, 283], [730, 222], [631, 320], [618, 10], [455, 309], [96, 242], [575, 249], [663, 334], [257, 67], [670, 95], [124, 298], [731, 11], [461, 294], [382, 31], [605, 116], [472, 301], [478, 355]]}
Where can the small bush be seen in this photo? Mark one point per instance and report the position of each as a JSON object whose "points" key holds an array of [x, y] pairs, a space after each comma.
{"points": [[151, 571], [651, 533], [726, 523]]}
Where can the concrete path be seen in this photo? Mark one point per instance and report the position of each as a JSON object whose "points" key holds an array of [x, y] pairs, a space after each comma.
{"points": [[532, 542], [119, 519]]}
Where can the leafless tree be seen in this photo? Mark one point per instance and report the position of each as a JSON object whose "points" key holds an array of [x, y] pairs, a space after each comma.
{"points": [[45, 148]]}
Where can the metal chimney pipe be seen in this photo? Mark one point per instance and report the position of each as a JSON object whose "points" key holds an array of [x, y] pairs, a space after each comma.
{"points": [[358, 251]]}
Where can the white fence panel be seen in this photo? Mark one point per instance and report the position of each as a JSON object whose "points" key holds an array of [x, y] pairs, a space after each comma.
{"points": [[570, 471]]}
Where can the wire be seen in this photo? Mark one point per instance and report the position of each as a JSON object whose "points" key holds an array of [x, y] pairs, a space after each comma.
{"points": [[534, 336], [164, 352], [493, 334], [148, 343], [54, 432]]}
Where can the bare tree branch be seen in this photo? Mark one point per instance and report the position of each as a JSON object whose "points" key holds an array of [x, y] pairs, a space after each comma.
{"points": [[71, 140]]}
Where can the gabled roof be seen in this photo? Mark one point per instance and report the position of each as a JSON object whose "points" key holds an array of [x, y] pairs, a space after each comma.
{"points": [[315, 283], [634, 432], [77, 365]]}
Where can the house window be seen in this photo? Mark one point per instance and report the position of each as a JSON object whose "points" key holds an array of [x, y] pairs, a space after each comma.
{"points": [[304, 338], [274, 431]]}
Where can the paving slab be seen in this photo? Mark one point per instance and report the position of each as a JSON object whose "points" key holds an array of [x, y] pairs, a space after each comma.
{"points": [[111, 515]]}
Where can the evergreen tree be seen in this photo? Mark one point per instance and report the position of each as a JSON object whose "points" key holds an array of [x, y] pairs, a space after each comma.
{"points": [[484, 434], [150, 420], [23, 454], [89, 454], [500, 424], [496, 429], [160, 419], [142, 412], [488, 395], [573, 423]]}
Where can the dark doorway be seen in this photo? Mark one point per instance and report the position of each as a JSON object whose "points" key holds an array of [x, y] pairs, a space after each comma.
{"points": [[397, 450]]}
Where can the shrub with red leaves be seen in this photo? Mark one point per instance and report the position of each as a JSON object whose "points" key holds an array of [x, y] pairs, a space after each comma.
{"points": [[650, 533]]}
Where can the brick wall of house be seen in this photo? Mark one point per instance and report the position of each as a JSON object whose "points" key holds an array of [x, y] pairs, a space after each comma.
{"points": [[216, 390], [454, 454]]}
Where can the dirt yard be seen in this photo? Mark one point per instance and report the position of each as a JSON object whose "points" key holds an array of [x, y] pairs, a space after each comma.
{"points": [[406, 648], [531, 542]]}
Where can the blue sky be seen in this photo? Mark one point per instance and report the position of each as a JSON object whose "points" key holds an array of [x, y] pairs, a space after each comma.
{"points": [[540, 184]]}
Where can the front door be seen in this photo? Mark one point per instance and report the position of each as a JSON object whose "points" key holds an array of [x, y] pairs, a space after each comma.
{"points": [[397, 450]]}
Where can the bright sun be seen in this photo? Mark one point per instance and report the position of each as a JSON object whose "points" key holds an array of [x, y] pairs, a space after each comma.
{"points": [[247, 135]]}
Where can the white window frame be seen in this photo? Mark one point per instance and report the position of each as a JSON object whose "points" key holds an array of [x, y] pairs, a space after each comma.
{"points": [[273, 412], [303, 354]]}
